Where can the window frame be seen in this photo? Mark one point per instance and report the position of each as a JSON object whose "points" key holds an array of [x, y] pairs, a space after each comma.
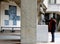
{"points": [[50, 2]]}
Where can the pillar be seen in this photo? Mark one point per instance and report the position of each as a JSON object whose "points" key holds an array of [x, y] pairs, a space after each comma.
{"points": [[38, 10], [0, 15], [28, 21], [51, 16]]}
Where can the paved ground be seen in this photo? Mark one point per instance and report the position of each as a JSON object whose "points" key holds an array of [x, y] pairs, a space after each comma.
{"points": [[57, 39]]}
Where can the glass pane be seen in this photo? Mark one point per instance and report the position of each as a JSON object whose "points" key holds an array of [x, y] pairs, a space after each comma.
{"points": [[52, 1], [6, 12], [14, 22], [6, 22], [17, 17]]}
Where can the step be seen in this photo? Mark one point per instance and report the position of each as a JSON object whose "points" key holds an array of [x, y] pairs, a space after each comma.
{"points": [[9, 42], [9, 37], [16, 41], [16, 34]]}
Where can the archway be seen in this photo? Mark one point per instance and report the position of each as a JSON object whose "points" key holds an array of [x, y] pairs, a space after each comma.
{"points": [[10, 16]]}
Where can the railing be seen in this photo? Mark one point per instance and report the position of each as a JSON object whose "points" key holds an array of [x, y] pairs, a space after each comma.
{"points": [[12, 29]]}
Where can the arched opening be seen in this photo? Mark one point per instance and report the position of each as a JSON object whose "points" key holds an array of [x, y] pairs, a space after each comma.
{"points": [[10, 21]]}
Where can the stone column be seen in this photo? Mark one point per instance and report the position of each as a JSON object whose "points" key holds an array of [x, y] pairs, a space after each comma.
{"points": [[38, 10], [0, 15], [51, 16], [28, 21]]}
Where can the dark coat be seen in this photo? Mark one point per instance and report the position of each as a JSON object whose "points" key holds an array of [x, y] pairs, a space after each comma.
{"points": [[52, 25]]}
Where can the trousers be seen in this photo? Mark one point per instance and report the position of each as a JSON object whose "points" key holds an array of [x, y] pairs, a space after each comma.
{"points": [[53, 36]]}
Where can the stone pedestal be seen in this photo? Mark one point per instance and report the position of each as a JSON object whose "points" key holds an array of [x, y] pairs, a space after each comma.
{"points": [[28, 21], [42, 33]]}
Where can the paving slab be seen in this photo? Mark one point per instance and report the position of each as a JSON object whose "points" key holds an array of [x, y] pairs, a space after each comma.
{"points": [[57, 39]]}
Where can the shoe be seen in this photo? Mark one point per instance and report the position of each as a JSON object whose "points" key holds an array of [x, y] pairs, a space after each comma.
{"points": [[52, 41]]}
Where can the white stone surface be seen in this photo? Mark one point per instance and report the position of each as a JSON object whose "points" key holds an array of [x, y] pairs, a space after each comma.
{"points": [[58, 1], [28, 21], [9, 37], [57, 39], [0, 15], [42, 33], [53, 7]]}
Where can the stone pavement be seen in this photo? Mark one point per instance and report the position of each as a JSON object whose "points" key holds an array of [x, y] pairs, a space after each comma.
{"points": [[57, 39]]}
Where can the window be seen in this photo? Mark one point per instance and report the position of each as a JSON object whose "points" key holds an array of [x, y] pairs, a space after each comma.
{"points": [[14, 22], [52, 1], [6, 22], [17, 17], [12, 12], [6, 12]]}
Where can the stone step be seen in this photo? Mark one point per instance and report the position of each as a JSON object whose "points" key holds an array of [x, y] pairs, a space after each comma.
{"points": [[9, 37], [16, 41], [15, 34], [10, 41]]}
